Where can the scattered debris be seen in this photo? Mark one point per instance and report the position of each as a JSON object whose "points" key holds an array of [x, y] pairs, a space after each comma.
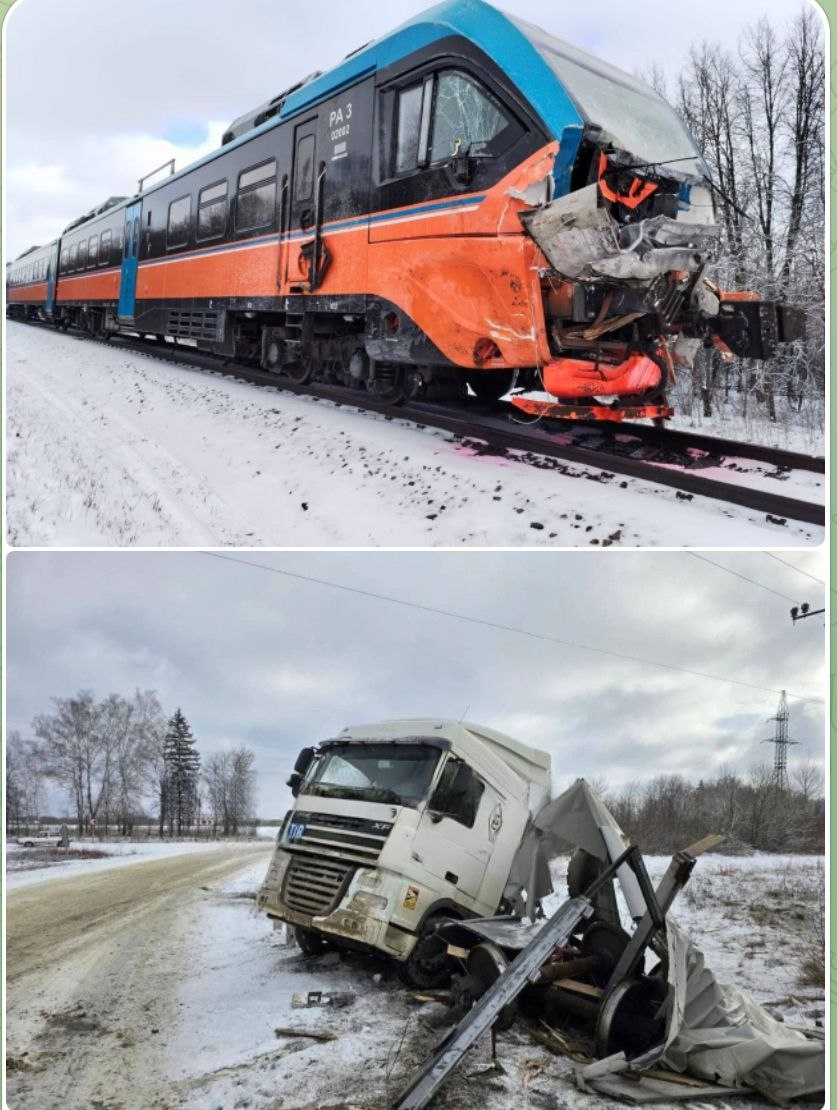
{"points": [[642, 1036], [337, 999], [313, 1034]]}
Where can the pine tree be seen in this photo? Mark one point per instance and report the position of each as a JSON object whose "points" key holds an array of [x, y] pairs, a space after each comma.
{"points": [[183, 767]]}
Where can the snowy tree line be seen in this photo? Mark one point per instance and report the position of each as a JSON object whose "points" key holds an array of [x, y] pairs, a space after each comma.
{"points": [[118, 760], [757, 111], [667, 812]]}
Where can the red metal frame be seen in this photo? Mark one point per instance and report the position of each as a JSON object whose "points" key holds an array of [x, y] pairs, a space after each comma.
{"points": [[592, 412]]}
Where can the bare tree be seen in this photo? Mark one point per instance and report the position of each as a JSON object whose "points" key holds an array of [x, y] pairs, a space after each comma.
{"points": [[24, 782], [808, 779], [74, 754], [757, 113], [230, 783]]}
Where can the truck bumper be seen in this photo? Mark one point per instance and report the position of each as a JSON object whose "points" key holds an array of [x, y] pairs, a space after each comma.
{"points": [[362, 915]]}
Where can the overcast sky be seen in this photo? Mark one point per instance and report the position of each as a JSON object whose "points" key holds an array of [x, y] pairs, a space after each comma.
{"points": [[100, 92], [277, 663]]}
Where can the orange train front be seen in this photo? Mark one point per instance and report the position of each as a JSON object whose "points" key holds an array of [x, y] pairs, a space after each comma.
{"points": [[466, 201]]}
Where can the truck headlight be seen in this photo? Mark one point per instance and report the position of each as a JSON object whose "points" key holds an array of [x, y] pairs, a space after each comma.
{"points": [[364, 901]]}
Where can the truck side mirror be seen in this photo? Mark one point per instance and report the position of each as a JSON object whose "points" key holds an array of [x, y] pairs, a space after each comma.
{"points": [[304, 760], [294, 782]]}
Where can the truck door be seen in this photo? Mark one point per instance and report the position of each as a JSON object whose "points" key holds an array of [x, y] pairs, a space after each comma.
{"points": [[130, 258], [454, 837], [302, 205]]}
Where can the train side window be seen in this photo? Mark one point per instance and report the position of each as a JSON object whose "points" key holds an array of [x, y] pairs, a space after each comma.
{"points": [[82, 254], [93, 251], [104, 253], [73, 255], [255, 204], [180, 217], [212, 211], [135, 244], [466, 118], [408, 128], [304, 183]]}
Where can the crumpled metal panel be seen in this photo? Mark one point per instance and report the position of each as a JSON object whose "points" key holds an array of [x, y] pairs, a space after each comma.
{"points": [[583, 242]]}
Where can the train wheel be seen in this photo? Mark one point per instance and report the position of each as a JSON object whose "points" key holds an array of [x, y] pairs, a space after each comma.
{"points": [[299, 372], [491, 385], [389, 385]]}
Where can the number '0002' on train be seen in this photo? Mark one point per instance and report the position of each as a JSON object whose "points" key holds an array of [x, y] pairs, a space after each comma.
{"points": [[467, 201]]}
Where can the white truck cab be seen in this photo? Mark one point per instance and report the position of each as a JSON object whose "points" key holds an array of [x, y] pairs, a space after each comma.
{"points": [[396, 824]]}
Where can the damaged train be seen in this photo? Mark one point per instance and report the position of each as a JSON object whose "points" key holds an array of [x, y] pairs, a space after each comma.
{"points": [[465, 202]]}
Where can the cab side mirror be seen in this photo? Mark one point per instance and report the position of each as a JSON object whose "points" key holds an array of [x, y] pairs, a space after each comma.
{"points": [[294, 782], [462, 168], [304, 760]]}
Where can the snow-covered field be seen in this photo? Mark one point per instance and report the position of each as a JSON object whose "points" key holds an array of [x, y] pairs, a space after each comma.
{"points": [[110, 447], [184, 990], [27, 866]]}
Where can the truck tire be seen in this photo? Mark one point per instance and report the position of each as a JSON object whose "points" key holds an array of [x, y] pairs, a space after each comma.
{"points": [[309, 941], [428, 966]]}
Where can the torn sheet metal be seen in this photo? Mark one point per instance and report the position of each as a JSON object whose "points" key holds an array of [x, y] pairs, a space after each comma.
{"points": [[584, 242]]}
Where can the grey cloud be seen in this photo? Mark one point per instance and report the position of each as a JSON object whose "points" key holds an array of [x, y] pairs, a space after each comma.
{"points": [[277, 662], [90, 85]]}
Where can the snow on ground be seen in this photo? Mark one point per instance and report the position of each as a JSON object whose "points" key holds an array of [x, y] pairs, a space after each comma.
{"points": [[803, 432], [27, 866], [110, 447], [744, 912]]}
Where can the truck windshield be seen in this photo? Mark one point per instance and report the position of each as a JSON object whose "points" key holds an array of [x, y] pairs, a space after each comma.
{"points": [[635, 117], [399, 773]]}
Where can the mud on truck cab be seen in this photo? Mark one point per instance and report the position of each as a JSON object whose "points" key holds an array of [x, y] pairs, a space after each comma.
{"points": [[395, 826]]}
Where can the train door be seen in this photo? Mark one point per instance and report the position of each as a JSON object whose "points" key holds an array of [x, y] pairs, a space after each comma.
{"points": [[302, 205], [130, 257], [52, 277]]}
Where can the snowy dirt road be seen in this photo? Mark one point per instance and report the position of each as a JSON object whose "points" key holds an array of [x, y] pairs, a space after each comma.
{"points": [[158, 986], [93, 964], [110, 447]]}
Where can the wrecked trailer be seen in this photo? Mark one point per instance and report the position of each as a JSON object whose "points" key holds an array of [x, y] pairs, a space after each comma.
{"points": [[651, 1033]]}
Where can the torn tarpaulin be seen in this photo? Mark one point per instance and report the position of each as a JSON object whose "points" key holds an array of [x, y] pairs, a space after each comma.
{"points": [[578, 817], [717, 1033]]}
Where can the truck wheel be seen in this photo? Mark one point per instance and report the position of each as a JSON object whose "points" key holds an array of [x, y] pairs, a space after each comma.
{"points": [[311, 942], [428, 966]]}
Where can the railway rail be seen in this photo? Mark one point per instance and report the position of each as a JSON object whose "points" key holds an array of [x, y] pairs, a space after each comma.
{"points": [[676, 459]]}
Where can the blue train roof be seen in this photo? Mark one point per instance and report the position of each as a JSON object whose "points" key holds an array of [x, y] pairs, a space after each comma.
{"points": [[495, 33], [489, 29], [540, 66]]}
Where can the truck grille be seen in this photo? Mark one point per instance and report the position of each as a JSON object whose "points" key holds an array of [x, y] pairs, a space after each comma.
{"points": [[338, 837], [313, 884]]}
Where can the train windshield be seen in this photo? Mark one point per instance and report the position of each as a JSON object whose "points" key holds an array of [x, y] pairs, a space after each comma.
{"points": [[397, 773], [636, 118]]}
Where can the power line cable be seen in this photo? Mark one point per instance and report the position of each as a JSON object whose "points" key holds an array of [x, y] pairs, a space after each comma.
{"points": [[500, 627], [760, 585], [792, 566]]}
